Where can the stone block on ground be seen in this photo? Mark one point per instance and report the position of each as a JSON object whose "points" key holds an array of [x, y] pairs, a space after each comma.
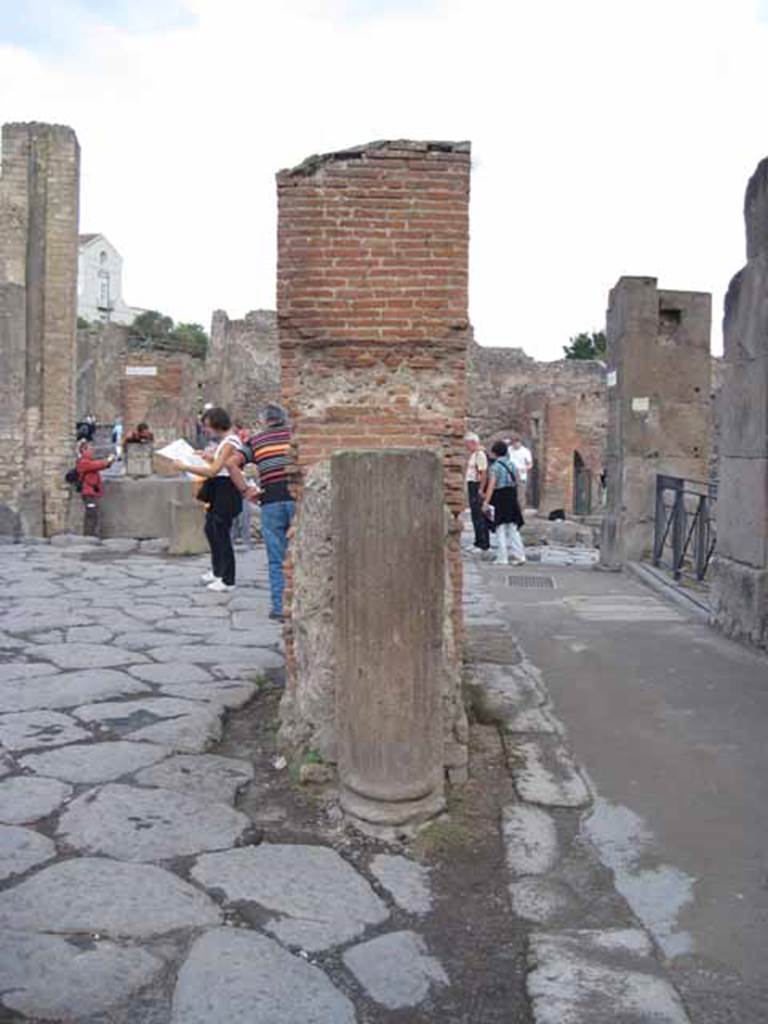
{"points": [[544, 901], [320, 900], [186, 726], [32, 730], [46, 977], [565, 533], [238, 977], [186, 535], [154, 546], [95, 894], [599, 977], [66, 690], [405, 880], [395, 969], [87, 763], [22, 849], [87, 656], [207, 776], [530, 840], [120, 545], [544, 773], [24, 799]]}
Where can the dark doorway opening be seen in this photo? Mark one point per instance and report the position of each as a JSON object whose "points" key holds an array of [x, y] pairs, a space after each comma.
{"points": [[582, 486]]}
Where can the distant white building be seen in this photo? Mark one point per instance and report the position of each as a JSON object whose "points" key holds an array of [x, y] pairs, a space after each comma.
{"points": [[100, 282]]}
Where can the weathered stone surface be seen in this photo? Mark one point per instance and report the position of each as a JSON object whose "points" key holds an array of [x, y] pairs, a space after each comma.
{"points": [[10, 671], [167, 675], [135, 824], [226, 693], [530, 838], [542, 900], [322, 899], [207, 776], [548, 775], [405, 880], [589, 977], [22, 849], [236, 977], [207, 654], [51, 978], [66, 690], [185, 726], [24, 799], [120, 545], [95, 762], [87, 656], [395, 969], [94, 894], [89, 635], [30, 730]]}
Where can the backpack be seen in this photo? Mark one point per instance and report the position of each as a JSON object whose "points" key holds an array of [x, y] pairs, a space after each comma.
{"points": [[72, 477]]}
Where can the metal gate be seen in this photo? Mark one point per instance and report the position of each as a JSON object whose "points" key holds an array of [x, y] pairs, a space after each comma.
{"points": [[685, 531]]}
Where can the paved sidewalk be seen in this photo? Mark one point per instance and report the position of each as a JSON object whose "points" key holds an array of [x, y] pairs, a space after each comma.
{"points": [[667, 722]]}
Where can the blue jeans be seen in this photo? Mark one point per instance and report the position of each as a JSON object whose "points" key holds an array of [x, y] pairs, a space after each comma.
{"points": [[276, 519]]}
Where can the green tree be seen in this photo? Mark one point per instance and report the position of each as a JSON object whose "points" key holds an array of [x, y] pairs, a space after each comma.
{"points": [[586, 346], [191, 338], [152, 327]]}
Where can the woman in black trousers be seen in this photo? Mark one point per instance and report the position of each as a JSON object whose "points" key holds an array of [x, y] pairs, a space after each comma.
{"points": [[221, 497]]}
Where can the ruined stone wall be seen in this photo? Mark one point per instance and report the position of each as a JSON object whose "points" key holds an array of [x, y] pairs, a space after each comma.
{"points": [[372, 319], [168, 400], [660, 406], [740, 589], [39, 195], [559, 408], [115, 378], [243, 364], [101, 352]]}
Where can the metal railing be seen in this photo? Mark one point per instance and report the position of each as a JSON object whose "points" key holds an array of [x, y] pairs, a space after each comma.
{"points": [[685, 533]]}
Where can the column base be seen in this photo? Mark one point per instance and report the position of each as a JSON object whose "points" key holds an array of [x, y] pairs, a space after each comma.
{"points": [[391, 813]]}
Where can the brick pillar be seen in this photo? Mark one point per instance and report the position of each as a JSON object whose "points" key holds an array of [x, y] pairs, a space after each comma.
{"points": [[373, 330], [659, 406], [740, 591], [39, 194], [560, 443]]}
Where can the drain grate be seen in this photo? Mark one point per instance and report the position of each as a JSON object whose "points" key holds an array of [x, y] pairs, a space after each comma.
{"points": [[532, 582]]}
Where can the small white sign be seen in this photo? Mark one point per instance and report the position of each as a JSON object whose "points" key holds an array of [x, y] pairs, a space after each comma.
{"points": [[141, 371], [641, 405], [611, 379]]}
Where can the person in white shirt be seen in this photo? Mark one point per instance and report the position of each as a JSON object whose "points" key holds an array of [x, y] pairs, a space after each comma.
{"points": [[522, 460], [476, 476]]}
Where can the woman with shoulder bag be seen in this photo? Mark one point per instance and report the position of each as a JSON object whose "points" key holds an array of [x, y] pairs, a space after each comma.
{"points": [[221, 497], [501, 495]]}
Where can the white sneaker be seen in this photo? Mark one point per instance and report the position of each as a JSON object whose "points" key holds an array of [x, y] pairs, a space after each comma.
{"points": [[220, 587], [208, 577], [500, 562], [518, 561]]}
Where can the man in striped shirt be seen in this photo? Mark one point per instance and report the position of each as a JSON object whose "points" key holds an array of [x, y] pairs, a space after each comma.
{"points": [[271, 449]]}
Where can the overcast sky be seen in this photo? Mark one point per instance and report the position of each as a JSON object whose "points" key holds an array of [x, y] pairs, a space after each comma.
{"points": [[609, 137]]}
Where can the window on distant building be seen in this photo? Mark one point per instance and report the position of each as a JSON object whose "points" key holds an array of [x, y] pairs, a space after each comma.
{"points": [[103, 290]]}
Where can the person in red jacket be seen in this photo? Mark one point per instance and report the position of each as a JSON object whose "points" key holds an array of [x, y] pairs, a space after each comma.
{"points": [[88, 469]]}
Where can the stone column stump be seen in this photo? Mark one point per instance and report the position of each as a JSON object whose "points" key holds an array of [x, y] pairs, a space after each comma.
{"points": [[389, 571]]}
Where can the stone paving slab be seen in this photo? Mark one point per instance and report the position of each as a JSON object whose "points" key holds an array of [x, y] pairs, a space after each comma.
{"points": [[530, 839], [548, 775], [87, 656], [237, 977], [97, 895], [166, 674], [186, 726], [135, 824], [12, 671], [24, 799], [207, 776], [208, 654], [588, 977], [52, 978], [322, 900], [405, 880], [95, 762], [67, 690], [396, 969], [31, 730], [22, 849]]}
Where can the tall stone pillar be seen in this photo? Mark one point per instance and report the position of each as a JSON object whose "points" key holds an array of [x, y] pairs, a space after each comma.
{"points": [[740, 591], [659, 406], [373, 331], [389, 571], [39, 193]]}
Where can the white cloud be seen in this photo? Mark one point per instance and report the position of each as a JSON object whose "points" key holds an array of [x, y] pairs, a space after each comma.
{"points": [[609, 138]]}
